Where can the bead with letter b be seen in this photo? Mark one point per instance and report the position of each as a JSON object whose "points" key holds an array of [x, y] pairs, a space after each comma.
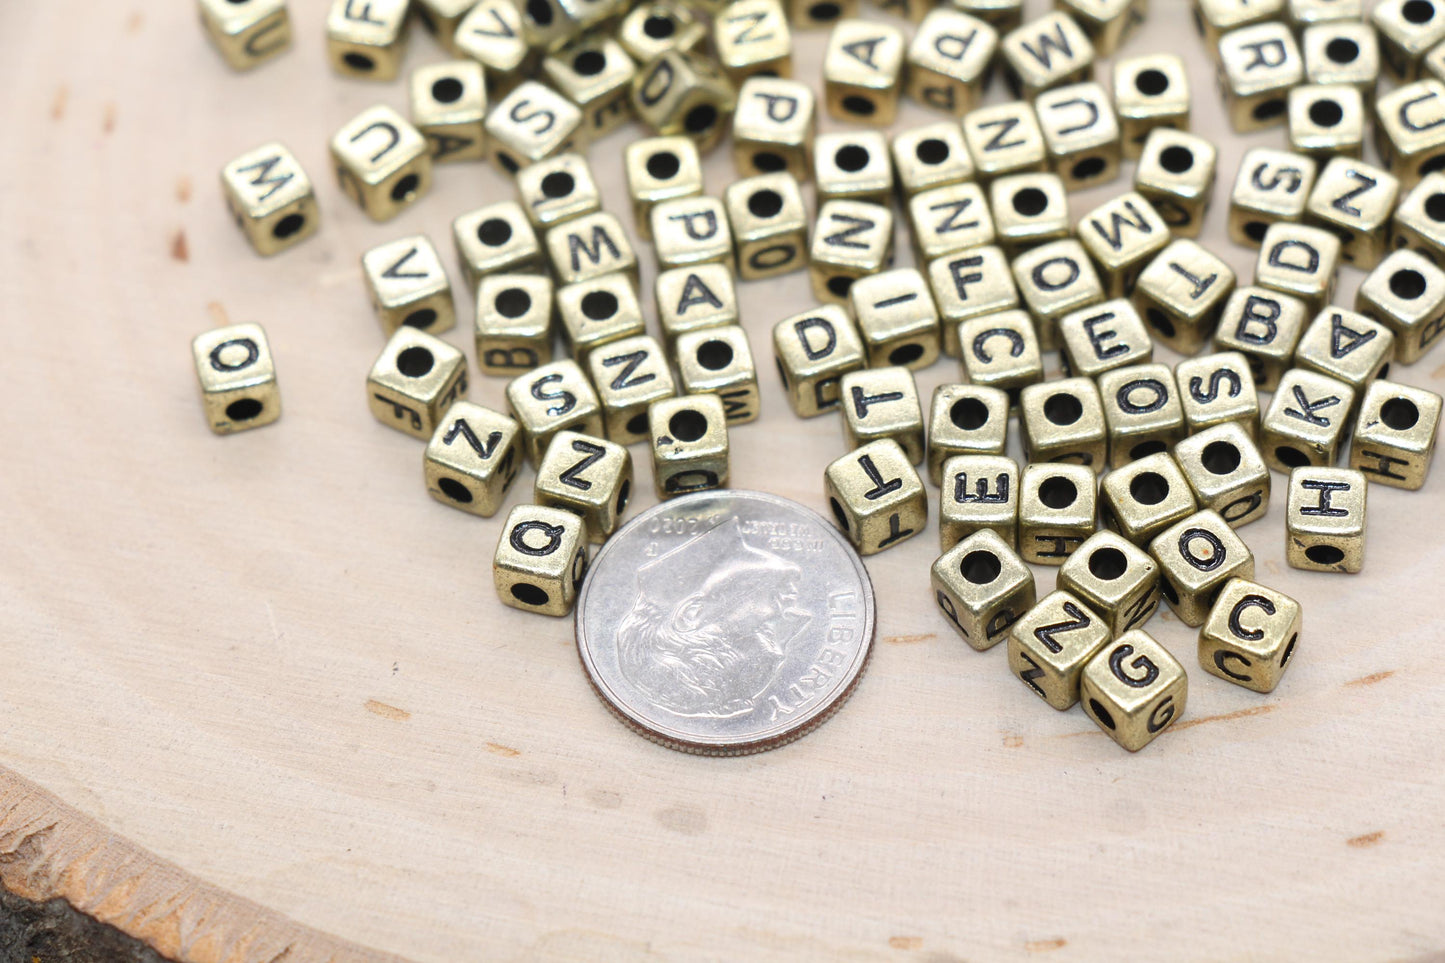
{"points": [[1251, 635], [513, 326], [237, 377], [1264, 327], [877, 498], [540, 559], [1133, 689], [982, 587]]}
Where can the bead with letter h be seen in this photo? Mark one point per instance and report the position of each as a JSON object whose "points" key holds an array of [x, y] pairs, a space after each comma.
{"points": [[1325, 519]]}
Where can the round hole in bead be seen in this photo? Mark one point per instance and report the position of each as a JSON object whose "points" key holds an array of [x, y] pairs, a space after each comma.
{"points": [[455, 490], [1291, 457], [540, 12], [512, 303], [415, 361], [1407, 284], [862, 106], [689, 424], [447, 90], [1058, 492], [1401, 414], [1324, 554], [1432, 164], [288, 226], [1269, 109], [1151, 82], [659, 27], [1166, 589], [700, 118], [765, 203], [968, 414], [599, 305], [1145, 449], [579, 567], [714, 355], [1149, 488], [358, 61], [1108, 563], [931, 151], [905, 354], [244, 409], [625, 492], [420, 318], [494, 232], [403, 189], [839, 286], [1342, 50], [1435, 207], [851, 158], [663, 165], [1219, 458], [1418, 11], [1176, 159], [529, 594], [509, 163], [1255, 231], [824, 11], [1100, 713], [1288, 650], [1030, 201], [838, 513], [768, 162], [637, 424], [1160, 321], [1087, 168], [980, 567], [589, 63], [1326, 113], [1063, 408], [558, 184]]}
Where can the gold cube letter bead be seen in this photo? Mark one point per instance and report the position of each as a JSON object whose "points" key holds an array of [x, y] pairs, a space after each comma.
{"points": [[689, 444], [877, 498], [448, 106], [1306, 420], [415, 379], [1056, 511], [1133, 689], [965, 420], [473, 458], [863, 71], [367, 38], [982, 587], [659, 169], [246, 34], [540, 559], [237, 376], [979, 493], [513, 326], [554, 397], [1250, 635], [1264, 327], [1324, 519], [382, 162], [1180, 295], [1115, 578], [496, 239], [531, 123], [883, 403], [409, 286], [814, 351], [630, 374], [271, 198], [1196, 557], [719, 361], [588, 477], [1063, 420], [1050, 645], [1144, 497], [1225, 471]]}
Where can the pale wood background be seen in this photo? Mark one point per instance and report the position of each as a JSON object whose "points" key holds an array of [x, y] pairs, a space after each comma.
{"points": [[277, 711]]}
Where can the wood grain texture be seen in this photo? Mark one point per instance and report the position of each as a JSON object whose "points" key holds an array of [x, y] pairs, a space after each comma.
{"points": [[279, 707]]}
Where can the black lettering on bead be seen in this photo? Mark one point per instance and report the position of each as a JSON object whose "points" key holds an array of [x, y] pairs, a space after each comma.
{"points": [[997, 142], [1342, 202], [880, 486], [568, 399], [861, 400], [809, 324], [1117, 222], [844, 238], [518, 538], [1159, 396], [460, 429], [1149, 671], [577, 247], [696, 291], [1306, 410], [1264, 311], [396, 273], [1325, 490], [1205, 394], [263, 176], [1015, 340], [950, 221], [1279, 256], [1161, 715], [629, 362], [1077, 619], [981, 494], [590, 453], [252, 354], [1031, 674], [1208, 563], [895, 533], [1070, 274]]}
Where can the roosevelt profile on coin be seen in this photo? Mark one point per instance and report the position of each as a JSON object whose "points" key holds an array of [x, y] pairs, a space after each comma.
{"points": [[711, 646]]}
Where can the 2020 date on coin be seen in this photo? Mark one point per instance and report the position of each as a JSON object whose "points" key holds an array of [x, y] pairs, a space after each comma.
{"points": [[725, 622]]}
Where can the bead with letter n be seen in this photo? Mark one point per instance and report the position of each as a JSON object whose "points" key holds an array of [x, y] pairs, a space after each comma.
{"points": [[1050, 645], [473, 458]]}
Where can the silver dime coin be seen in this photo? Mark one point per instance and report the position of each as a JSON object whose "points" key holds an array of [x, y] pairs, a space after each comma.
{"points": [[725, 622]]}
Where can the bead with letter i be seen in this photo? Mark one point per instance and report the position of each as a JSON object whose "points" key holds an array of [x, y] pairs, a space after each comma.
{"points": [[876, 496], [237, 377], [1050, 645], [1133, 689], [982, 588]]}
